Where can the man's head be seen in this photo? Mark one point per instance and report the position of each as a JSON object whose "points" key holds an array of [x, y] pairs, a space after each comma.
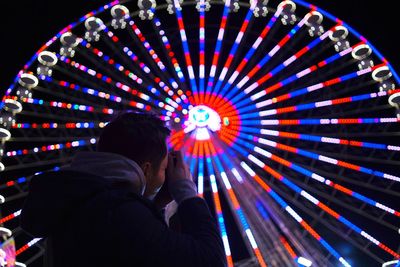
{"points": [[140, 137]]}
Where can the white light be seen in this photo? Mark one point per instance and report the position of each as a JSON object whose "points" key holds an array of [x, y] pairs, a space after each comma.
{"points": [[289, 61], [323, 103], [391, 177], [202, 134], [262, 152], [251, 88], [267, 112], [200, 180], [258, 95], [233, 77], [191, 73], [239, 37], [238, 177], [221, 34], [327, 159], [226, 245], [315, 87], [294, 214], [213, 69], [5, 231], [256, 161], [251, 239], [264, 103], [390, 263], [269, 122], [269, 132], [303, 72], [266, 142], [304, 261], [247, 168], [344, 262], [201, 74], [183, 35], [381, 206], [203, 116], [33, 241], [274, 50], [223, 73], [213, 183], [395, 148], [370, 238], [225, 180], [330, 140], [243, 81], [318, 177], [309, 197], [257, 42]]}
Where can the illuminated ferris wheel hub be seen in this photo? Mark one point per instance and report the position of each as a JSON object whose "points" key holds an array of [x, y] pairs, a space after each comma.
{"points": [[201, 119]]}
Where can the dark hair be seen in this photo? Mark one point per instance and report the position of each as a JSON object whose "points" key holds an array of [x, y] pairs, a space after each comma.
{"points": [[140, 136]]}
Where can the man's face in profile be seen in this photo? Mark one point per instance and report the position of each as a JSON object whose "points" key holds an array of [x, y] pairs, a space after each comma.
{"points": [[154, 178]]}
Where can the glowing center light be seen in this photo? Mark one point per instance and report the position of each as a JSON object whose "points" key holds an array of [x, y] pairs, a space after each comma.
{"points": [[202, 119]]}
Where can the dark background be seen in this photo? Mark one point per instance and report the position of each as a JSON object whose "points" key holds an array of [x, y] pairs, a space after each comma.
{"points": [[27, 25]]}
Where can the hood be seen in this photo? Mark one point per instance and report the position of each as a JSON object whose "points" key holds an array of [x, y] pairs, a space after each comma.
{"points": [[54, 196], [113, 167]]}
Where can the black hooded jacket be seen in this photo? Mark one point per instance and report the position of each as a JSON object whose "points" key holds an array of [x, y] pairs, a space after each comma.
{"points": [[92, 220]]}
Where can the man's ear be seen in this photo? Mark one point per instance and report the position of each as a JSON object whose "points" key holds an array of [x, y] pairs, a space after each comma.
{"points": [[146, 168]]}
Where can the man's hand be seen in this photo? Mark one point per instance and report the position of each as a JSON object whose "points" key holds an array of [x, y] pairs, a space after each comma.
{"points": [[180, 183], [177, 169]]}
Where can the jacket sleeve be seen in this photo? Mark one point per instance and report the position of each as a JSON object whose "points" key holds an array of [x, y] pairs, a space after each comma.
{"points": [[143, 239]]}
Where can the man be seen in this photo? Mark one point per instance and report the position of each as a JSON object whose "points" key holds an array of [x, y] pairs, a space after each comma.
{"points": [[104, 209]]}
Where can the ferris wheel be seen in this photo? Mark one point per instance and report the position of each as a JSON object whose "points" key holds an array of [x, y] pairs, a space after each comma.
{"points": [[287, 116]]}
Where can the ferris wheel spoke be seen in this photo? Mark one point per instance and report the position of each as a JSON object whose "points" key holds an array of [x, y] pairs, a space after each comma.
{"points": [[235, 204], [329, 225], [217, 203], [265, 77], [152, 58], [319, 104], [316, 177], [294, 77], [173, 62], [323, 180], [293, 213], [321, 205], [239, 38], [322, 139], [41, 163], [305, 90], [52, 147], [331, 121], [186, 51], [123, 87], [217, 50], [263, 61], [120, 101], [227, 65], [21, 180], [329, 160], [134, 30]]}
